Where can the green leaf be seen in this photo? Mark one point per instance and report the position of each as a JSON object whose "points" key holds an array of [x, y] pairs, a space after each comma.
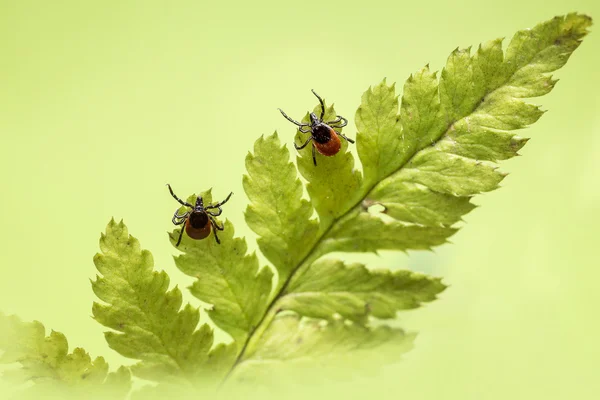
{"points": [[148, 319], [294, 342], [535, 52], [361, 231], [417, 204], [423, 161], [227, 278], [330, 287], [460, 90], [449, 174], [420, 112], [380, 141], [477, 101], [333, 183], [277, 212], [46, 361]]}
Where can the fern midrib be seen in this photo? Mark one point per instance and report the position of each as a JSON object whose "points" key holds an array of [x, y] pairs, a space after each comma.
{"points": [[361, 198]]}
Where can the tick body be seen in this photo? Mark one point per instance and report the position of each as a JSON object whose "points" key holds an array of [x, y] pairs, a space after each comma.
{"points": [[200, 220], [198, 225], [325, 139]]}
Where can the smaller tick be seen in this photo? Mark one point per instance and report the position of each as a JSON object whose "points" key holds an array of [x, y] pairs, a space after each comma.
{"points": [[199, 220], [325, 139]]}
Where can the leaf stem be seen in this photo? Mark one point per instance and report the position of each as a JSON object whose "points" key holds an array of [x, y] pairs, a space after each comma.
{"points": [[271, 310]]}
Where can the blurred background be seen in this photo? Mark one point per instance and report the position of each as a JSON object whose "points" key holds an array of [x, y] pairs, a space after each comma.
{"points": [[102, 103]]}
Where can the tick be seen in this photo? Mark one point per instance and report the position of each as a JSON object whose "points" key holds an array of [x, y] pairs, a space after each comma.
{"points": [[199, 220], [325, 139]]}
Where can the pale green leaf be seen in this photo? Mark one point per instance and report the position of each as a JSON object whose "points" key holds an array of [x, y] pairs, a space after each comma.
{"points": [[167, 390], [450, 174], [460, 90], [292, 342], [330, 287], [227, 278], [291, 338], [361, 231], [420, 112], [277, 212], [418, 204], [46, 361], [480, 106], [147, 320], [380, 142], [533, 53]]}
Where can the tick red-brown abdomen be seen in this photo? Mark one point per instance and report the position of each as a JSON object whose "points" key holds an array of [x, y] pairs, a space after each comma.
{"points": [[331, 147], [197, 233]]}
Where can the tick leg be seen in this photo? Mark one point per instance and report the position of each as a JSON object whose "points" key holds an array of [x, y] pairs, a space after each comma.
{"points": [[291, 120], [322, 105], [180, 236], [183, 203], [184, 215], [216, 236], [314, 155], [344, 136], [221, 228], [175, 222], [335, 121], [181, 218], [216, 228], [221, 203], [304, 145], [338, 120], [303, 131], [214, 214]]}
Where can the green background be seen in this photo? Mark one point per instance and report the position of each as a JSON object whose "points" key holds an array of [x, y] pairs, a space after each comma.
{"points": [[102, 103]]}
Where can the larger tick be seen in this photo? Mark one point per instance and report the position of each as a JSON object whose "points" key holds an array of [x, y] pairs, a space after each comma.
{"points": [[199, 220], [322, 134]]}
